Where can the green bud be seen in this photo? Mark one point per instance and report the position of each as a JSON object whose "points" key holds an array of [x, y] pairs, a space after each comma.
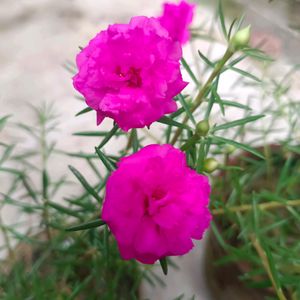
{"points": [[210, 165], [229, 149], [202, 128], [241, 38]]}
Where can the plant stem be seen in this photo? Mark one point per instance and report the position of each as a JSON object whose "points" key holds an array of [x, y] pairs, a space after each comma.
{"points": [[249, 207], [129, 142], [260, 251], [43, 146], [6, 240], [202, 92]]}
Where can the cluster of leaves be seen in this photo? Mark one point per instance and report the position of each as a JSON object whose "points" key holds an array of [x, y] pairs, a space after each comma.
{"points": [[180, 128], [42, 260], [257, 221], [256, 203]]}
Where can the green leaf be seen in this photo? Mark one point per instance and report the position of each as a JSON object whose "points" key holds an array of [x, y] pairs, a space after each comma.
{"points": [[177, 113], [231, 28], [271, 264], [255, 215], [81, 155], [238, 122], [168, 134], [105, 160], [284, 175], [29, 189], [190, 142], [19, 236], [6, 153], [222, 19], [64, 210], [109, 136], [147, 278], [247, 148], [169, 121], [235, 104], [244, 73], [189, 71], [217, 98], [186, 107], [218, 235], [164, 265], [88, 225], [12, 171], [85, 205], [210, 105], [8, 200], [294, 149], [201, 157], [81, 286], [258, 54], [58, 184], [85, 110], [236, 61], [85, 184], [230, 168], [135, 140], [240, 22], [277, 224], [3, 121], [90, 133], [157, 278], [206, 60], [94, 168], [45, 180]]}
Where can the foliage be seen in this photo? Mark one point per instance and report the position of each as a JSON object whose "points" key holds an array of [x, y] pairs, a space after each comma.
{"points": [[45, 261], [64, 255]]}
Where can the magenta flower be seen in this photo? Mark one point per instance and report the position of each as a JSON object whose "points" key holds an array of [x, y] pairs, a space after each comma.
{"points": [[155, 204], [131, 73], [177, 19]]}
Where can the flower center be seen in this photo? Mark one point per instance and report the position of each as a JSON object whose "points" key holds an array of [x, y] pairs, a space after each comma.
{"points": [[158, 194], [132, 77], [154, 202]]}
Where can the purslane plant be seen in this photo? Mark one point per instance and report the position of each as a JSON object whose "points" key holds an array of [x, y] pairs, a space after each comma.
{"points": [[136, 87], [87, 264], [39, 259]]}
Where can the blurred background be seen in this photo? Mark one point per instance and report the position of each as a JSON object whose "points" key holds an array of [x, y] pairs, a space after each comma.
{"points": [[40, 38]]}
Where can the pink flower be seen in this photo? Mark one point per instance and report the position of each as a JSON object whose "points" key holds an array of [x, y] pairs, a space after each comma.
{"points": [[131, 73], [155, 204], [177, 19]]}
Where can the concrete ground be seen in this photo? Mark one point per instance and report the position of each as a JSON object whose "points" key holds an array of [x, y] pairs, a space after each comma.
{"points": [[38, 37]]}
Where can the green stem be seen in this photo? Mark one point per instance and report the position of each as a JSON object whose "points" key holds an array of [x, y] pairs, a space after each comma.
{"points": [[202, 92], [249, 207], [43, 147], [260, 251], [6, 240], [129, 142], [268, 154]]}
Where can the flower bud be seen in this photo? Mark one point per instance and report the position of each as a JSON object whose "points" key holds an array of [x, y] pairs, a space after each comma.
{"points": [[229, 149], [210, 165], [241, 38], [202, 128]]}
